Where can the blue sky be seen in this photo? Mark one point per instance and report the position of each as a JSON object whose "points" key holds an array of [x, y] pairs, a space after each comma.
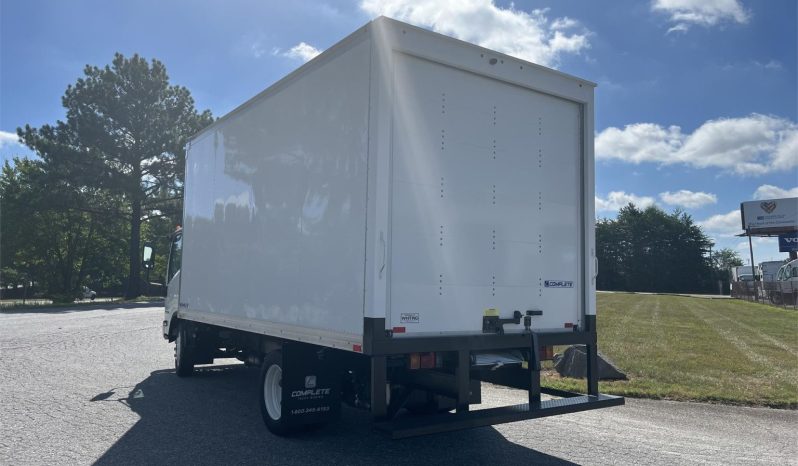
{"points": [[696, 105]]}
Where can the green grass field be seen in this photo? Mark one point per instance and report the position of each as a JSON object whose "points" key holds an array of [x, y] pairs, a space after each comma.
{"points": [[681, 348]]}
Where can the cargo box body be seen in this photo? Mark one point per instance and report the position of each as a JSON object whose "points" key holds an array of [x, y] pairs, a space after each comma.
{"points": [[403, 178]]}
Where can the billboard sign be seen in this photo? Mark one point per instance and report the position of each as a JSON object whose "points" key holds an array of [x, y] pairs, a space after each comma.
{"points": [[788, 242], [770, 215]]}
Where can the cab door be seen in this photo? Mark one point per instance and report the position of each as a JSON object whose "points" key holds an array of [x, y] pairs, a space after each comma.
{"points": [[172, 302]]}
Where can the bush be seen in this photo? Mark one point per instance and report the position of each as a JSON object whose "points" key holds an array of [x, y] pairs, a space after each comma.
{"points": [[62, 298]]}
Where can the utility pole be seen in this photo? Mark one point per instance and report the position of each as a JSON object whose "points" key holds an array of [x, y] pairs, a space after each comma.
{"points": [[753, 267]]}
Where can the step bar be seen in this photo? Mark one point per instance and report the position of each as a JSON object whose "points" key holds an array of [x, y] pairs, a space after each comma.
{"points": [[412, 426]]}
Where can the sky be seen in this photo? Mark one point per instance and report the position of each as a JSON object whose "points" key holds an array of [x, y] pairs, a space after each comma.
{"points": [[696, 104]]}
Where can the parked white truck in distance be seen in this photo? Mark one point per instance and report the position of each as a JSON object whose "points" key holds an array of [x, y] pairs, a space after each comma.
{"points": [[784, 289], [369, 225], [744, 273], [769, 270]]}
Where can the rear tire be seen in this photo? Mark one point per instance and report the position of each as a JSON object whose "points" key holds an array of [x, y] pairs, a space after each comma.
{"points": [[184, 351], [271, 394]]}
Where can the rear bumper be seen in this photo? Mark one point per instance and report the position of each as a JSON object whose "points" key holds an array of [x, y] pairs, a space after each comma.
{"points": [[381, 345]]}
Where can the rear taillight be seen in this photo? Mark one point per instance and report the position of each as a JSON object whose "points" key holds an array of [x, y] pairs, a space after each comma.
{"points": [[422, 361], [414, 361], [427, 360]]}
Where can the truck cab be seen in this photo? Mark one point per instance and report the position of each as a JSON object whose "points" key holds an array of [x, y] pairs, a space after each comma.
{"points": [[786, 291], [788, 272], [172, 281]]}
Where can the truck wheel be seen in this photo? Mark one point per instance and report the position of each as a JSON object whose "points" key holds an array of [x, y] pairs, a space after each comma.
{"points": [[184, 348], [271, 394]]}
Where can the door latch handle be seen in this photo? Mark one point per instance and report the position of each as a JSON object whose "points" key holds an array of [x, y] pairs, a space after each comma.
{"points": [[384, 254]]}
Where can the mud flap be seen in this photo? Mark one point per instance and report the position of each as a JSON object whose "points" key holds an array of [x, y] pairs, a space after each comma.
{"points": [[311, 384]]}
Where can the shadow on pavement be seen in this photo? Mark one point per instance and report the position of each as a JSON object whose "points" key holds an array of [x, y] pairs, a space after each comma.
{"points": [[213, 418]]}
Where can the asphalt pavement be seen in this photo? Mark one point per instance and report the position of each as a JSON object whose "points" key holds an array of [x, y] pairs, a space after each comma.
{"points": [[90, 386]]}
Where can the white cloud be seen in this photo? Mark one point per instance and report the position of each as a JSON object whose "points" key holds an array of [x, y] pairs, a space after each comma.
{"points": [[723, 225], [768, 191], [615, 200], [257, 49], [753, 65], [8, 139], [564, 23], [301, 51], [639, 142], [771, 65], [689, 199], [684, 13], [786, 155], [681, 27], [751, 145], [530, 35]]}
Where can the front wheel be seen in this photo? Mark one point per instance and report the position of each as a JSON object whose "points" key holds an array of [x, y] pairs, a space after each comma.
{"points": [[184, 351]]}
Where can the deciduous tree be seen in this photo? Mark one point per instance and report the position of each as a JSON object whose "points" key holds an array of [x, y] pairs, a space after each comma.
{"points": [[650, 250], [49, 237], [124, 133]]}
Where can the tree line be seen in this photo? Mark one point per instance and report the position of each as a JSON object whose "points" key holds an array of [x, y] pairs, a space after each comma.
{"points": [[110, 177], [106, 179], [651, 250]]}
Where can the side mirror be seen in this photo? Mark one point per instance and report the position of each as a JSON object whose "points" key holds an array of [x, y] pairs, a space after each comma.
{"points": [[148, 260]]}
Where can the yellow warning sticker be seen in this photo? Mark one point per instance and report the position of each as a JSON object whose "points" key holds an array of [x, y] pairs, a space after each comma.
{"points": [[491, 311]]}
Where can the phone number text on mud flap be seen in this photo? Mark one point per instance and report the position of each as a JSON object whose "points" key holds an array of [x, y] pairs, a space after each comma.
{"points": [[319, 409]]}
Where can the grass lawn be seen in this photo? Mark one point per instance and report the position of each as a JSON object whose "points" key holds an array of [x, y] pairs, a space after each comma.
{"points": [[681, 348]]}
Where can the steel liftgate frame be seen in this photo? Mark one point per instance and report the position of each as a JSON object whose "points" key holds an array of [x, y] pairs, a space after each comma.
{"points": [[379, 344]]}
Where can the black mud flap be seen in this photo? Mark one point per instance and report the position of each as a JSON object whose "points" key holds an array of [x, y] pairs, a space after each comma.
{"points": [[311, 384]]}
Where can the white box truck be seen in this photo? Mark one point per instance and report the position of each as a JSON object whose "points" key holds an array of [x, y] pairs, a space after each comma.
{"points": [[769, 270], [744, 273], [398, 220]]}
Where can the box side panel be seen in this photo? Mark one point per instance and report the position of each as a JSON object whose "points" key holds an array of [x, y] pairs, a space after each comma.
{"points": [[487, 201], [275, 207]]}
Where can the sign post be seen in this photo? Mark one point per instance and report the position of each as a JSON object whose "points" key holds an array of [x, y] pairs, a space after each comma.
{"points": [[753, 268]]}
